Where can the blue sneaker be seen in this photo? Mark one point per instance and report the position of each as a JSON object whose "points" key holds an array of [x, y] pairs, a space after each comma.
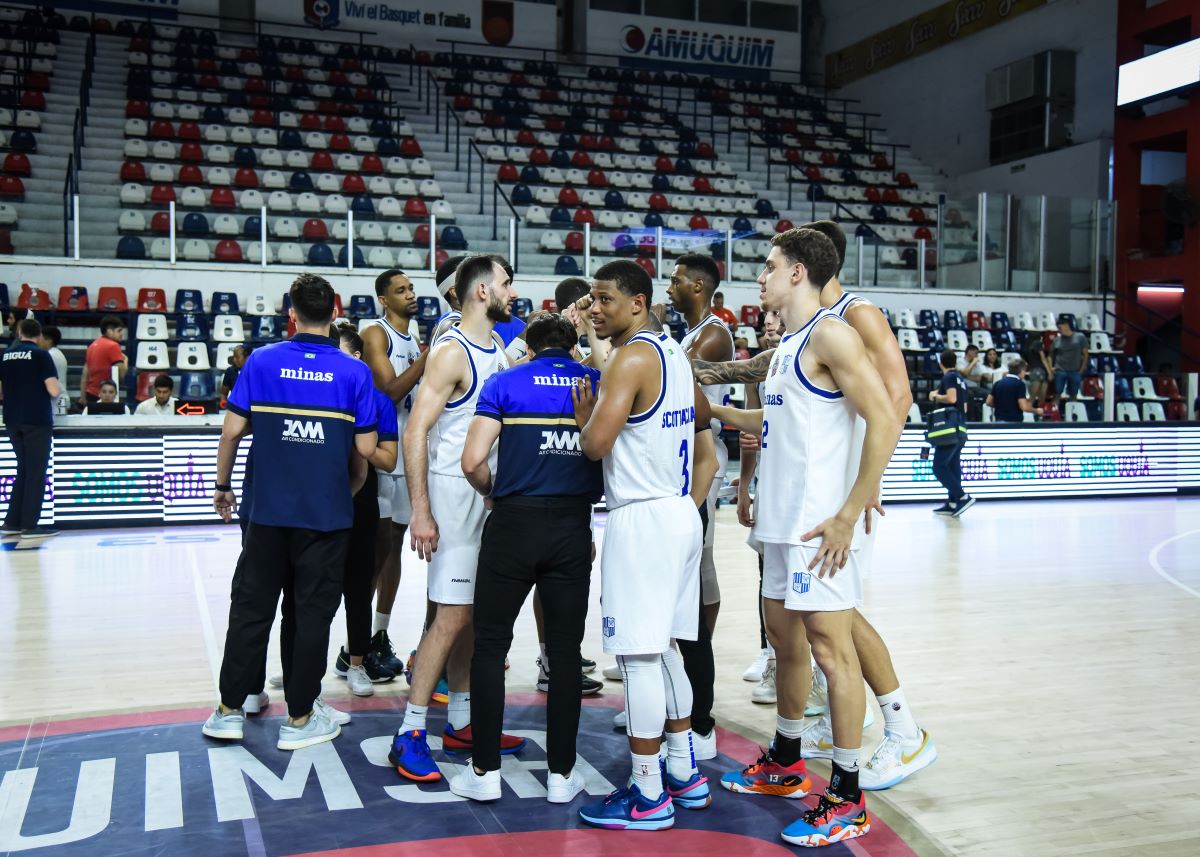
{"points": [[833, 820], [628, 809], [692, 793], [410, 755]]}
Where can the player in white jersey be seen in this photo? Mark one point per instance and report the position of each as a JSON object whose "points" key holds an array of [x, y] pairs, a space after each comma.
{"points": [[814, 487], [396, 364], [642, 424], [447, 513]]}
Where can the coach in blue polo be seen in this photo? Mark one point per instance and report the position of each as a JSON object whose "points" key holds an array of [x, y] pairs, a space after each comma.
{"points": [[539, 532], [310, 407]]}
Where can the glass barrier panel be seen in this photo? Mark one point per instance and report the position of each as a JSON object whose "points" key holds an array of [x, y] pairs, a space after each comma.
{"points": [[1025, 244], [995, 209], [958, 262]]}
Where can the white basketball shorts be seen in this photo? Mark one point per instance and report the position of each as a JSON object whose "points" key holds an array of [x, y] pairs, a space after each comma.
{"points": [[786, 578], [459, 512], [393, 499], [710, 586], [649, 588]]}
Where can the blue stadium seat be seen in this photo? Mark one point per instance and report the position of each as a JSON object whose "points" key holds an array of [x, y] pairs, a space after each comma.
{"points": [[195, 224], [320, 254], [1006, 341], [300, 182], [225, 303], [131, 247], [521, 195], [388, 147], [189, 300], [289, 138], [1124, 390], [764, 208], [428, 309], [3, 295], [613, 199], [878, 213], [954, 320], [381, 128], [266, 329], [522, 307], [23, 141], [683, 166], [661, 181], [652, 220], [567, 141], [742, 226], [932, 363], [560, 215], [559, 158], [932, 339], [453, 238], [243, 156], [213, 114], [197, 385], [625, 245], [191, 327], [359, 260], [1000, 322], [566, 266], [362, 306], [1095, 409], [816, 193], [530, 174], [929, 318], [363, 207], [647, 147], [1131, 364], [1108, 363], [252, 228]]}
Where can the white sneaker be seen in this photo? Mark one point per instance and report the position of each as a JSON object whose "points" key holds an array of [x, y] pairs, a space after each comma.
{"points": [[818, 696], [255, 703], [317, 730], [359, 682], [895, 760], [225, 726], [816, 739], [475, 786], [276, 680], [560, 789], [621, 720], [323, 708], [613, 673], [754, 672], [764, 694], [704, 747]]}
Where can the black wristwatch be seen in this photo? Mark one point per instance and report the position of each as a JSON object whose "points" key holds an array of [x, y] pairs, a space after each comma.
{"points": [[219, 487]]}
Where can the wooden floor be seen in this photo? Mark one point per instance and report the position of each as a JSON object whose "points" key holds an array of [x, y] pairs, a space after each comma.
{"points": [[1051, 648]]}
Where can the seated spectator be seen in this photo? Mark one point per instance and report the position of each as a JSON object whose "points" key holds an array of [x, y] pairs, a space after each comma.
{"points": [[236, 361], [722, 312], [992, 370], [106, 401], [1009, 398], [163, 403], [741, 351], [970, 367], [49, 340]]}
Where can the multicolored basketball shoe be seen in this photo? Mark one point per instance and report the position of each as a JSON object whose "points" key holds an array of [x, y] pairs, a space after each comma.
{"points": [[628, 809], [462, 741], [441, 693], [833, 820], [768, 777], [692, 793], [410, 755]]}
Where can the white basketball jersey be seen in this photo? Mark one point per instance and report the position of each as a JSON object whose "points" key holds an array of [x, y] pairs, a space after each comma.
{"points": [[449, 433], [844, 303], [403, 352], [454, 317], [718, 394], [808, 461], [652, 456]]}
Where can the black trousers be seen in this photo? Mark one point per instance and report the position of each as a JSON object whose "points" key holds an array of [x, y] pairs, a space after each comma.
{"points": [[31, 446], [947, 467], [307, 567], [762, 620], [358, 588], [528, 541], [698, 661]]}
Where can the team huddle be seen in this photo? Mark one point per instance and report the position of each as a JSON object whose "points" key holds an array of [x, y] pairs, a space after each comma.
{"points": [[488, 450]]}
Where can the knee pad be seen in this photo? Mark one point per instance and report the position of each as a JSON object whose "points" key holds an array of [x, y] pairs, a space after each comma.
{"points": [[645, 698]]}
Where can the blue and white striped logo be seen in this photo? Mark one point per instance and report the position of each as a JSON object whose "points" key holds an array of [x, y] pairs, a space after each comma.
{"points": [[609, 625], [801, 581]]}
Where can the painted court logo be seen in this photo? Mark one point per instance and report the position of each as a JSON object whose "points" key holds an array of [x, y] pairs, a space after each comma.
{"points": [[801, 581]]}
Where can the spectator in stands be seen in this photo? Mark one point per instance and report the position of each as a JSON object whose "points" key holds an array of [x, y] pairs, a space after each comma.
{"points": [[236, 361], [29, 385], [970, 367], [49, 340], [102, 355], [741, 350], [163, 403], [947, 460], [993, 371], [722, 312], [106, 401], [1009, 397], [772, 331], [11, 319], [1034, 354], [1070, 351]]}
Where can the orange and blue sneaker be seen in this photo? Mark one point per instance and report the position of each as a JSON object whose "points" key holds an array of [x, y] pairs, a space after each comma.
{"points": [[768, 777], [462, 741], [410, 755], [691, 793], [628, 809], [833, 820], [441, 693]]}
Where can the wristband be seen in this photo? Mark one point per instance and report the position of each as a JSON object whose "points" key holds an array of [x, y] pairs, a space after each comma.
{"points": [[218, 486]]}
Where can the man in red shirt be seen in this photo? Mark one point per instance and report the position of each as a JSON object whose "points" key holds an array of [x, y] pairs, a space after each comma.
{"points": [[102, 356], [722, 312]]}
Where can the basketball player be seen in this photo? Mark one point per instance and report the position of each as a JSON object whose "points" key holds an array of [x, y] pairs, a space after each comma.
{"points": [[396, 364], [447, 513], [906, 748], [511, 332], [642, 425], [814, 487]]}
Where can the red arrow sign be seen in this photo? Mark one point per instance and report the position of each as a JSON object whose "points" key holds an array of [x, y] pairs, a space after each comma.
{"points": [[187, 409]]}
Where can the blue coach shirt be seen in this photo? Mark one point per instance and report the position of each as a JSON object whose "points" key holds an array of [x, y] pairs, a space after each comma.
{"points": [[540, 454], [509, 330], [1007, 394], [306, 401]]}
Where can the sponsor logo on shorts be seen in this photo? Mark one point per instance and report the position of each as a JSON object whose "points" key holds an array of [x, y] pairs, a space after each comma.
{"points": [[460, 580], [609, 626], [801, 581]]}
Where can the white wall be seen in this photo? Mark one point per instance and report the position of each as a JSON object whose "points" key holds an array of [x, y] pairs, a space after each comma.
{"points": [[936, 102], [1080, 171]]}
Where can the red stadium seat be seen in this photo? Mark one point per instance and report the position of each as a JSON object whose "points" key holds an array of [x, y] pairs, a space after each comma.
{"points": [[372, 165], [137, 109], [904, 180], [245, 178], [507, 173], [568, 196], [658, 202], [976, 320], [647, 265], [873, 195], [701, 184], [1050, 411], [916, 214], [415, 207], [133, 171], [663, 164], [191, 152], [880, 161], [263, 118], [596, 178], [145, 385], [321, 161], [161, 129], [1176, 411], [891, 196], [574, 242], [228, 250], [314, 230], [829, 159], [334, 123], [160, 223], [310, 121], [792, 156], [525, 138], [705, 150], [1092, 387], [581, 159], [922, 233], [538, 156], [190, 174], [813, 173], [586, 141], [410, 148], [548, 305], [353, 183], [1167, 387], [698, 221], [162, 193], [33, 298], [784, 225], [17, 164], [73, 299], [463, 102], [11, 187], [421, 235], [222, 197], [339, 143], [751, 314], [113, 298], [189, 131], [440, 258], [583, 214], [152, 300], [33, 100]]}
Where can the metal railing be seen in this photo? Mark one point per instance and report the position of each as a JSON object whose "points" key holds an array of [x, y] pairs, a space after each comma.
{"points": [[514, 224]]}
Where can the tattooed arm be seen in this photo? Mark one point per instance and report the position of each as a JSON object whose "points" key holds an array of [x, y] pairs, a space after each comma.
{"points": [[750, 371]]}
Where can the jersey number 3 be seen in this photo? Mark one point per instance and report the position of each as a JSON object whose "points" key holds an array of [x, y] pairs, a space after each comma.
{"points": [[687, 478]]}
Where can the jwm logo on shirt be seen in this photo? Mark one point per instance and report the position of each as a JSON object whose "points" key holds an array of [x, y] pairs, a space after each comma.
{"points": [[303, 431], [556, 442]]}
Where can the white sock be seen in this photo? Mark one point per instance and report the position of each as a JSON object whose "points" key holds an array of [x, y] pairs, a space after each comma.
{"points": [[847, 760], [381, 623], [458, 712], [788, 728], [897, 716], [648, 775], [414, 718], [681, 757]]}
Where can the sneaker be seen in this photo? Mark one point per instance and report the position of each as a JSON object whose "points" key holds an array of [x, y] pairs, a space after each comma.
{"points": [[317, 730], [816, 739], [755, 671], [833, 820], [621, 721], [276, 680], [256, 702], [588, 687], [764, 694], [893, 761], [704, 747], [945, 510], [38, 533], [10, 531], [613, 673], [441, 693], [227, 727], [768, 777], [469, 784], [462, 741], [691, 793], [818, 696], [381, 647], [359, 682], [587, 666], [628, 809], [410, 755], [966, 502], [323, 708], [560, 789], [408, 666]]}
